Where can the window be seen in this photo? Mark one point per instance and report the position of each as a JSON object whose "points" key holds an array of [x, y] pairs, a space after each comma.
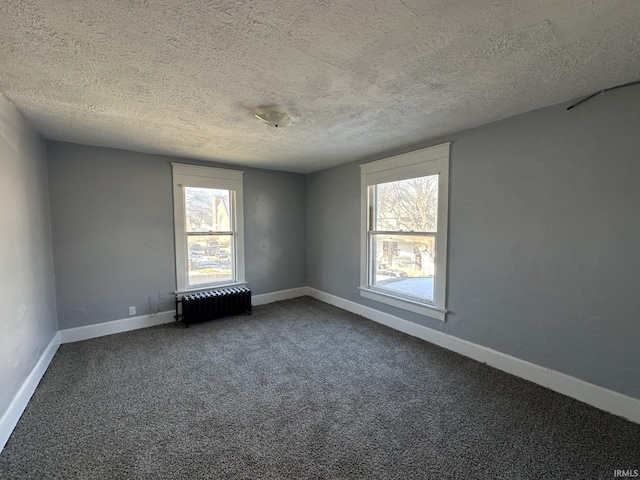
{"points": [[208, 223], [404, 230]]}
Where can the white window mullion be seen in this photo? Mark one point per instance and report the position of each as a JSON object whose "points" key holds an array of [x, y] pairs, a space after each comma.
{"points": [[406, 269], [221, 264]]}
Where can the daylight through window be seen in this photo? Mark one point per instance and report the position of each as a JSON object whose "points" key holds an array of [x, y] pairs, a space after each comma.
{"points": [[208, 227], [404, 230], [402, 236]]}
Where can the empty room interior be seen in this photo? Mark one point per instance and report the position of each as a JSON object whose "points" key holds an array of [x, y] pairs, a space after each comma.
{"points": [[333, 239]]}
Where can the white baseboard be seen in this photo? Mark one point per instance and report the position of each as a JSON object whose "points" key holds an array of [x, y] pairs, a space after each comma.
{"points": [[20, 401], [133, 323], [599, 397], [115, 326], [277, 296]]}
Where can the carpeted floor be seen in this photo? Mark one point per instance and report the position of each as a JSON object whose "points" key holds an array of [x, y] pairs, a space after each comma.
{"points": [[300, 390]]}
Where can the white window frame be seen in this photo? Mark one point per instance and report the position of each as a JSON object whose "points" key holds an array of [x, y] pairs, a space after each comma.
{"points": [[207, 177], [419, 163]]}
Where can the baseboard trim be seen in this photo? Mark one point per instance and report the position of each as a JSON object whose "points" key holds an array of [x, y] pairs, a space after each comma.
{"points": [[115, 326], [599, 397], [21, 400], [277, 296], [133, 323]]}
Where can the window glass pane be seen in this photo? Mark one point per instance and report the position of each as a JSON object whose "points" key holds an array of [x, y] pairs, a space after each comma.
{"points": [[207, 210], [404, 264], [210, 259], [407, 205]]}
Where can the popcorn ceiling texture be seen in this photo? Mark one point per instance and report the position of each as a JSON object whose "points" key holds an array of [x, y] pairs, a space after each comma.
{"points": [[181, 77]]}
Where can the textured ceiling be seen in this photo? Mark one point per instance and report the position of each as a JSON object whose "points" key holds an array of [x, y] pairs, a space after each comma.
{"points": [[181, 77]]}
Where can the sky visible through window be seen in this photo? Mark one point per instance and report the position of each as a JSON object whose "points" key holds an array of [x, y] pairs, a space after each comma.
{"points": [[209, 237], [403, 236]]}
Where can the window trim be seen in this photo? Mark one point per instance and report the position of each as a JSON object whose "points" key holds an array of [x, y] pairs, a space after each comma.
{"points": [[427, 161], [206, 177]]}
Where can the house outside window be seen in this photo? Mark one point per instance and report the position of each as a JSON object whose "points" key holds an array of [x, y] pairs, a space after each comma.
{"points": [[208, 224], [404, 230]]}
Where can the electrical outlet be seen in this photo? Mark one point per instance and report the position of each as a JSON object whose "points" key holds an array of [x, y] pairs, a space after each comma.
{"points": [[132, 310], [162, 295]]}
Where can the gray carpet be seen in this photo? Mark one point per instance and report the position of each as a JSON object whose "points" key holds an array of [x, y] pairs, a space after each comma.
{"points": [[299, 390]]}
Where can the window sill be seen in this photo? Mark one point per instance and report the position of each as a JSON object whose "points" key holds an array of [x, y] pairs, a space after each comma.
{"points": [[405, 304], [210, 288]]}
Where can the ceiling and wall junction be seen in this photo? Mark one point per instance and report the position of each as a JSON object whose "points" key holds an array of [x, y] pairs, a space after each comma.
{"points": [[183, 78]]}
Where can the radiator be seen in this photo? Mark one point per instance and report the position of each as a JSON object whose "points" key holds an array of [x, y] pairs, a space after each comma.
{"points": [[203, 306]]}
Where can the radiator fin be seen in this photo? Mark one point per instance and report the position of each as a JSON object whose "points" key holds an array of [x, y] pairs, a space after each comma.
{"points": [[203, 306]]}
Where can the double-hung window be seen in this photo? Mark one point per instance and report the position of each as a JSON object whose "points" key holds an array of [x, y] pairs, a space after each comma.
{"points": [[404, 230], [208, 227]]}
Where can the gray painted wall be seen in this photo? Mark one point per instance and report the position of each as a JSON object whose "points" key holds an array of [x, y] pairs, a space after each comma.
{"points": [[28, 315], [543, 240], [275, 233], [112, 218]]}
